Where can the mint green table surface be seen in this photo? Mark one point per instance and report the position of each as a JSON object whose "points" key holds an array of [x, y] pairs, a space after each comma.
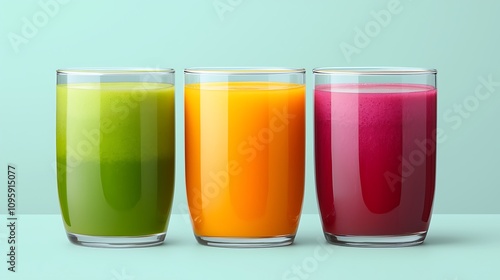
{"points": [[458, 247]]}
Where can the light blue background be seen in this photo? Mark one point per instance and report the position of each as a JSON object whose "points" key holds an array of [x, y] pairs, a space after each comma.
{"points": [[451, 251], [459, 38]]}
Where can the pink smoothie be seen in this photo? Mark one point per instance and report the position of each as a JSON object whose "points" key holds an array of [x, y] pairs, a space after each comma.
{"points": [[375, 148]]}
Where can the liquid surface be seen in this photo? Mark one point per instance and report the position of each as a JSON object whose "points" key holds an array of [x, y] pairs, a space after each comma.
{"points": [[245, 158], [115, 157], [375, 153]]}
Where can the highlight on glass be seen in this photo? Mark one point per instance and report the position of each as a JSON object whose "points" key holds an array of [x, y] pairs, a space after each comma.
{"points": [[375, 154], [115, 155], [244, 144]]}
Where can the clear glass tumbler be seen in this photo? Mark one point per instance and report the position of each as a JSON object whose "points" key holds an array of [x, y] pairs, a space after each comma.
{"points": [[245, 137], [375, 154], [115, 155]]}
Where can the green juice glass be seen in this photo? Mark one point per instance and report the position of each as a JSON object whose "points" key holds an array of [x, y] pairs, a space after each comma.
{"points": [[115, 132]]}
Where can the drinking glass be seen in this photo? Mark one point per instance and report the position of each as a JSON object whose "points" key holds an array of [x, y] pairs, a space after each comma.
{"points": [[375, 154], [115, 155], [245, 154]]}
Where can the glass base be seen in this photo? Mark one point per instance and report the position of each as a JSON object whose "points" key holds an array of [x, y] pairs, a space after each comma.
{"points": [[377, 241], [117, 241], [230, 242]]}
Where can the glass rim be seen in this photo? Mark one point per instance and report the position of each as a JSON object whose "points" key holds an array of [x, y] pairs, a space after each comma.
{"points": [[373, 70], [101, 71], [243, 70]]}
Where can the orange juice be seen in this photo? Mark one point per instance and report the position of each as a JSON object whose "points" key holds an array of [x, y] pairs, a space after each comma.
{"points": [[245, 158]]}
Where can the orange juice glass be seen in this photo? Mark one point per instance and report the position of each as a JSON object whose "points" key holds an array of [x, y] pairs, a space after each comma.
{"points": [[245, 137]]}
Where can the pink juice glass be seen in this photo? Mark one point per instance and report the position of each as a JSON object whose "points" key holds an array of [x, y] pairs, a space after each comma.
{"points": [[375, 154]]}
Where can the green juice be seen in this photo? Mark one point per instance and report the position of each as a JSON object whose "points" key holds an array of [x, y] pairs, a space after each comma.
{"points": [[115, 157]]}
